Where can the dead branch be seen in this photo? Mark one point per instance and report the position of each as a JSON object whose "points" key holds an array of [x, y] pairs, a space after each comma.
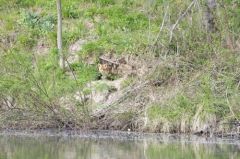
{"points": [[180, 18], [109, 61], [162, 25], [126, 93]]}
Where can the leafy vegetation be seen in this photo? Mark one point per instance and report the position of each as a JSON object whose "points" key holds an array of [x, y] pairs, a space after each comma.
{"points": [[198, 68]]}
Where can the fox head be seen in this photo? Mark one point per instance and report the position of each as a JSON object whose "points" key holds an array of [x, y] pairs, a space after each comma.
{"points": [[104, 68]]}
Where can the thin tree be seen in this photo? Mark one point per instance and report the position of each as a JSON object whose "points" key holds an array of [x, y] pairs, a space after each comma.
{"points": [[59, 35]]}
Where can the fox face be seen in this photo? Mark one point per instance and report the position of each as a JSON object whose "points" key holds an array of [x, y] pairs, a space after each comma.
{"points": [[105, 69]]}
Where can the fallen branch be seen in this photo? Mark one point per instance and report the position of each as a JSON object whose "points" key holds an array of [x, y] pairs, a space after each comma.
{"points": [[119, 100], [109, 61]]}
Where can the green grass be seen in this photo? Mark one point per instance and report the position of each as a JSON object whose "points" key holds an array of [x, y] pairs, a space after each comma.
{"points": [[202, 64]]}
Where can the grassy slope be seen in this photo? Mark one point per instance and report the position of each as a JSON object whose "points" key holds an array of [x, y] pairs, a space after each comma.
{"points": [[199, 71]]}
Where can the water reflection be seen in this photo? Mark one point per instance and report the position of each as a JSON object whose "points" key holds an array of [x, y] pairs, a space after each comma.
{"points": [[65, 148]]}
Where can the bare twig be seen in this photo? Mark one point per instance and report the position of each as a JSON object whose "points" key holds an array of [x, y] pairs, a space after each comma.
{"points": [[162, 25], [229, 105], [180, 18], [238, 85], [77, 84]]}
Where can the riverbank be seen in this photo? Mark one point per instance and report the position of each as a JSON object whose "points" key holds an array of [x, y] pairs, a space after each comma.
{"points": [[129, 65], [123, 135], [110, 119]]}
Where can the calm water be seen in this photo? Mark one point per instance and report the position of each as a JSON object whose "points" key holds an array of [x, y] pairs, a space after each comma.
{"points": [[70, 148]]}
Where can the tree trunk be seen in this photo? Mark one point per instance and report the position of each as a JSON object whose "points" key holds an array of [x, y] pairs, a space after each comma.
{"points": [[210, 15], [59, 35]]}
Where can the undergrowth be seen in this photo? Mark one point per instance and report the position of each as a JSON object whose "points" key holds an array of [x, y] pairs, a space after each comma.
{"points": [[202, 66]]}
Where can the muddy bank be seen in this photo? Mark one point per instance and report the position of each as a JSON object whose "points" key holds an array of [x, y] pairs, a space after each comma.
{"points": [[122, 135]]}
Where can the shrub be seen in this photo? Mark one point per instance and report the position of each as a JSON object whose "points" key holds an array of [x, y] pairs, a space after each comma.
{"points": [[33, 20]]}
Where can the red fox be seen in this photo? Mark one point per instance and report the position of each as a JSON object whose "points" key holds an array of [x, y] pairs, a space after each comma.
{"points": [[105, 69], [118, 67]]}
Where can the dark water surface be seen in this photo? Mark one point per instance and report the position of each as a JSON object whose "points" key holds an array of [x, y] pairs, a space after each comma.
{"points": [[23, 147]]}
